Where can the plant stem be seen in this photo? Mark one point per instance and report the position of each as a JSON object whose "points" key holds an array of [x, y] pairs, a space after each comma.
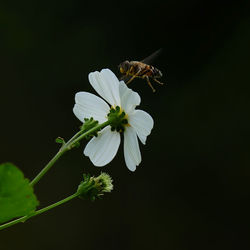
{"points": [[47, 167], [67, 146], [40, 211]]}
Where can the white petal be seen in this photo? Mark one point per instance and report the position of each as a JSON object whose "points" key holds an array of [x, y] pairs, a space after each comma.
{"points": [[142, 122], [102, 149], [106, 85], [129, 98], [89, 105], [132, 152]]}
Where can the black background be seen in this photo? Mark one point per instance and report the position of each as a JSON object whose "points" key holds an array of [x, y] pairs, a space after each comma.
{"points": [[192, 188]]}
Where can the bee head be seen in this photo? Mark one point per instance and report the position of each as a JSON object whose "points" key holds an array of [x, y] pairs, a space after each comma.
{"points": [[123, 67]]}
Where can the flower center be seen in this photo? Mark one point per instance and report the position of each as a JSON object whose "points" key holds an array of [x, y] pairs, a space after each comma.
{"points": [[118, 119]]}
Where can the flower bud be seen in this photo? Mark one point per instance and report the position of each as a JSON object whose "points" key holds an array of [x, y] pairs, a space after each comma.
{"points": [[94, 187]]}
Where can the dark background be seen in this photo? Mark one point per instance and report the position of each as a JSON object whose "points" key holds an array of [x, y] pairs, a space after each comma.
{"points": [[192, 188]]}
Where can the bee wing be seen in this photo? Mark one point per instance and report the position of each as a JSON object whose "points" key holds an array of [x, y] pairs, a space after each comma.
{"points": [[150, 58]]}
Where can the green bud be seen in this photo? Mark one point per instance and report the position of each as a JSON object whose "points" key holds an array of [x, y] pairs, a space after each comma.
{"points": [[60, 140], [94, 187]]}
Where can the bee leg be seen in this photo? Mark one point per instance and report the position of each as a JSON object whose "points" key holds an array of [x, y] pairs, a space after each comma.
{"points": [[158, 81], [149, 83], [133, 77], [130, 80]]}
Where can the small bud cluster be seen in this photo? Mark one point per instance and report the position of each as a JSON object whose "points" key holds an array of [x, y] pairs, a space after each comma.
{"points": [[94, 187], [89, 124], [118, 119]]}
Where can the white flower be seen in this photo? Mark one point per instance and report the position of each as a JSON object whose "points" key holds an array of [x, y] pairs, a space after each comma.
{"points": [[103, 148]]}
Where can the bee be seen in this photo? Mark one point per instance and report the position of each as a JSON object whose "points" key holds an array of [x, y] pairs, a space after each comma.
{"points": [[140, 69]]}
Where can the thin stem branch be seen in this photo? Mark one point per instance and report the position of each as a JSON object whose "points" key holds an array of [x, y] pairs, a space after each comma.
{"points": [[67, 146], [40, 211], [47, 167]]}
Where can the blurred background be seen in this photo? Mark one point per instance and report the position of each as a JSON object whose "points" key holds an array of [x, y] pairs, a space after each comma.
{"points": [[192, 189]]}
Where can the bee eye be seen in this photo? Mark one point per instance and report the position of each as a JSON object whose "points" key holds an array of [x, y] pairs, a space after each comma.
{"points": [[126, 65], [121, 70]]}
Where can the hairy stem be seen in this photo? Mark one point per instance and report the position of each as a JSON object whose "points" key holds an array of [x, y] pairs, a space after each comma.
{"points": [[66, 147]]}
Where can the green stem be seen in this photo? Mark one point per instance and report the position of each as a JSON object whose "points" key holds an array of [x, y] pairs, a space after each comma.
{"points": [[47, 167], [96, 128], [67, 146], [40, 211]]}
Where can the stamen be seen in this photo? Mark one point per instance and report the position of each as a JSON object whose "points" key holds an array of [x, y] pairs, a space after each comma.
{"points": [[118, 118]]}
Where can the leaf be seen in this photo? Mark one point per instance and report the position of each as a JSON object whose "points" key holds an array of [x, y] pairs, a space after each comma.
{"points": [[60, 140], [16, 195]]}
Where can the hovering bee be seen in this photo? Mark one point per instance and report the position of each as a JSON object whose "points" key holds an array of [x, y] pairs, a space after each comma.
{"points": [[140, 69]]}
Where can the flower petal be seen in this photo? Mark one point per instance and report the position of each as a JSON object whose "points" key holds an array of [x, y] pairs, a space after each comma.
{"points": [[106, 85], [102, 149], [132, 152], [142, 122], [129, 98], [89, 105]]}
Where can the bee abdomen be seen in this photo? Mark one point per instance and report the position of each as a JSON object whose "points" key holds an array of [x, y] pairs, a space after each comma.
{"points": [[146, 71]]}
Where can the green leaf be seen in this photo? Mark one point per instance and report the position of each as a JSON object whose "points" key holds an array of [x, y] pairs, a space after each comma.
{"points": [[16, 195]]}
